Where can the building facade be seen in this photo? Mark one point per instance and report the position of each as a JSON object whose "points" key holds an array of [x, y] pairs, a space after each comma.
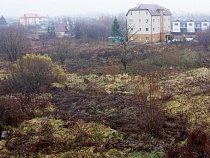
{"points": [[148, 23], [32, 19], [189, 27]]}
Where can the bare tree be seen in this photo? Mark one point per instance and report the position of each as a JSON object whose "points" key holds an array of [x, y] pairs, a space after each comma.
{"points": [[14, 42], [123, 32], [62, 48], [203, 38]]}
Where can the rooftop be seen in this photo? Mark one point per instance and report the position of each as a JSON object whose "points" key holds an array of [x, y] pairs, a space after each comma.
{"points": [[154, 9], [31, 15]]}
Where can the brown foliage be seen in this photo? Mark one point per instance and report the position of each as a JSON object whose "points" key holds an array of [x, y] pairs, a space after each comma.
{"points": [[150, 114], [203, 38], [13, 42], [14, 109], [197, 146]]}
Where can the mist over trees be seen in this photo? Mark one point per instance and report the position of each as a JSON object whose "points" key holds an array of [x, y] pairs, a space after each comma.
{"points": [[190, 16], [99, 28]]}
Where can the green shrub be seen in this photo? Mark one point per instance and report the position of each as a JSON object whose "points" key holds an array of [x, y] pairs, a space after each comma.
{"points": [[34, 71]]}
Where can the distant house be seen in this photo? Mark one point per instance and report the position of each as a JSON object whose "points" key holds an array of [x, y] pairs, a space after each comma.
{"points": [[3, 21], [62, 29], [32, 19], [189, 27], [148, 23]]}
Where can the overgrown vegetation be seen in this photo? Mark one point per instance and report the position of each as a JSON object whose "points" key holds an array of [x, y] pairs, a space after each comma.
{"points": [[158, 107], [32, 72]]}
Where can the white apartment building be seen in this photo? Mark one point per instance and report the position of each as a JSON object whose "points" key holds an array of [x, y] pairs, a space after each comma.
{"points": [[32, 19], [148, 23], [189, 26]]}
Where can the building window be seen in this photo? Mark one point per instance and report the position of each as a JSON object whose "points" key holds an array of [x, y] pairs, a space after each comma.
{"points": [[158, 28], [153, 20], [147, 29], [176, 24], [131, 13], [185, 25], [131, 38], [146, 20], [204, 24], [139, 12], [153, 29], [139, 38], [146, 12], [139, 20], [130, 21], [190, 24], [139, 29], [147, 39], [158, 20], [131, 30], [169, 19]]}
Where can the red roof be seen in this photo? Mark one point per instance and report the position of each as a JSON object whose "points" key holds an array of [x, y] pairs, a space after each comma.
{"points": [[32, 15]]}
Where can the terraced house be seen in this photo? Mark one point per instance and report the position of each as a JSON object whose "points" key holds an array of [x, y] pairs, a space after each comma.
{"points": [[148, 23], [189, 27]]}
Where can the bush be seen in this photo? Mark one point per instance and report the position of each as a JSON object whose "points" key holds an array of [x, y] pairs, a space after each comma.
{"points": [[34, 71], [203, 38], [14, 109], [151, 114]]}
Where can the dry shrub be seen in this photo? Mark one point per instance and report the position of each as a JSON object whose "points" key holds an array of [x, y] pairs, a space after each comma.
{"points": [[149, 113], [32, 72], [203, 38], [197, 146], [14, 109]]}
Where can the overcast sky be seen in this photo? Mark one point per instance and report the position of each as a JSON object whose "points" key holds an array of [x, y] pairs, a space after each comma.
{"points": [[72, 7]]}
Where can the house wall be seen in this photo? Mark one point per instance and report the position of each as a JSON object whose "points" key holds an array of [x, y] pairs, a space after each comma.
{"points": [[205, 25], [32, 20], [139, 21], [176, 26], [191, 26], [155, 24], [167, 23], [145, 26], [144, 38]]}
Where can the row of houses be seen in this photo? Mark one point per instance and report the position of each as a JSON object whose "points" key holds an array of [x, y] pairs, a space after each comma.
{"points": [[189, 26]]}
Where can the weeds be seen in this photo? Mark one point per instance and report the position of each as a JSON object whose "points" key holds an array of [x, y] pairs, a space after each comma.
{"points": [[150, 116]]}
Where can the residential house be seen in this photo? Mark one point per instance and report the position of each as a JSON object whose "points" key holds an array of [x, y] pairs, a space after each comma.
{"points": [[32, 19], [62, 29], [148, 23], [189, 27]]}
